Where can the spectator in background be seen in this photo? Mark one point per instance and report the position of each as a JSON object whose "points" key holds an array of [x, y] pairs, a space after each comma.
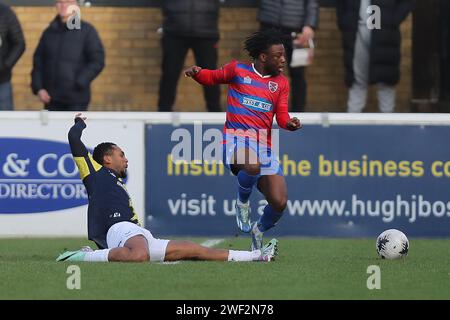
{"points": [[297, 20], [68, 58], [188, 24], [12, 46], [371, 55]]}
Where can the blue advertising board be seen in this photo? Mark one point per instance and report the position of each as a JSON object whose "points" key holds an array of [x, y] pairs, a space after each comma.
{"points": [[38, 175], [343, 181]]}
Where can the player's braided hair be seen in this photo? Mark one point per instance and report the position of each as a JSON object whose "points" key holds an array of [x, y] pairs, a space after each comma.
{"points": [[104, 148], [260, 41]]}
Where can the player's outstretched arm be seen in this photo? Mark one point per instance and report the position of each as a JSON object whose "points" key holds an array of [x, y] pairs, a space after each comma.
{"points": [[76, 145], [208, 77]]}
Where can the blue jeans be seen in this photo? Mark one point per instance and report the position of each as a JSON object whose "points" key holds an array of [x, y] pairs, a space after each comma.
{"points": [[6, 96]]}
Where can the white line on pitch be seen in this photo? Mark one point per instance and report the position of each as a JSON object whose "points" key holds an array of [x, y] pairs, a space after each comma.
{"points": [[212, 242]]}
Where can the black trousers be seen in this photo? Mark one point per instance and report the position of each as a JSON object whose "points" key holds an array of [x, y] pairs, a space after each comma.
{"points": [[297, 75], [174, 54], [61, 106]]}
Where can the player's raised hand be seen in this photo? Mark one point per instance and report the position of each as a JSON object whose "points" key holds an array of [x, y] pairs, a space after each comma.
{"points": [[79, 116], [293, 124], [192, 71]]}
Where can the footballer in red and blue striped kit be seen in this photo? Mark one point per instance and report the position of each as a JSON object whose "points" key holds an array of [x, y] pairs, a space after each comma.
{"points": [[253, 99], [257, 93]]}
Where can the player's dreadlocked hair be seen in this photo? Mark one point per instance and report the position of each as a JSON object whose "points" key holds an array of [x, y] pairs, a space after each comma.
{"points": [[260, 41], [104, 148]]}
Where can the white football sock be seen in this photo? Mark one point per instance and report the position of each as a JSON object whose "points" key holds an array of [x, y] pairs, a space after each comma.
{"points": [[97, 256], [234, 255]]}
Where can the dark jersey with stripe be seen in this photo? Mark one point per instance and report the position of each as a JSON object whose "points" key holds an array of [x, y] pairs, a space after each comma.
{"points": [[109, 201]]}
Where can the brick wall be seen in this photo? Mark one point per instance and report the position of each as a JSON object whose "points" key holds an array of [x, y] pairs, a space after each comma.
{"points": [[133, 56]]}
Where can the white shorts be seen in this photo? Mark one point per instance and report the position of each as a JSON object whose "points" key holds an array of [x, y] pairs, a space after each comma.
{"points": [[120, 232]]}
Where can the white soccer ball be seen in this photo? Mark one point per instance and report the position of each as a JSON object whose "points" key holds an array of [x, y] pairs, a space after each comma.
{"points": [[392, 244]]}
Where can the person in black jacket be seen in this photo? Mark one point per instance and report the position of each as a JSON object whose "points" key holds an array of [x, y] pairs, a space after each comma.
{"points": [[371, 51], [297, 20], [188, 24], [12, 46], [69, 57]]}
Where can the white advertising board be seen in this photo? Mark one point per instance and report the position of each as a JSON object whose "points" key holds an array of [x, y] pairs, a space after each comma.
{"points": [[41, 193]]}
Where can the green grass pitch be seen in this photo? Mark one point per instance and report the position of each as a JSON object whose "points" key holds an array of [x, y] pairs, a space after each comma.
{"points": [[306, 268]]}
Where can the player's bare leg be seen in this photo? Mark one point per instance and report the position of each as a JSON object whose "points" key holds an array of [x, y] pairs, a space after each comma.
{"points": [[186, 250], [135, 249], [274, 189], [246, 160]]}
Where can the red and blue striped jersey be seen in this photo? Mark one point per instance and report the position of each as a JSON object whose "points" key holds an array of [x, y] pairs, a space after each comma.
{"points": [[253, 100]]}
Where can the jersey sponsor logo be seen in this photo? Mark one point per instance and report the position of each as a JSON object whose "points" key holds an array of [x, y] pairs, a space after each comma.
{"points": [[273, 86], [38, 176], [247, 80], [256, 104]]}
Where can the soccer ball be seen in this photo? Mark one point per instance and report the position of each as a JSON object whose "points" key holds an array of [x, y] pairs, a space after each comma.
{"points": [[392, 244]]}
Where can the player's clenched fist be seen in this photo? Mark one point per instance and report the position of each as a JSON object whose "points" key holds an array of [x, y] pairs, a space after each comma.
{"points": [[293, 124], [192, 71]]}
